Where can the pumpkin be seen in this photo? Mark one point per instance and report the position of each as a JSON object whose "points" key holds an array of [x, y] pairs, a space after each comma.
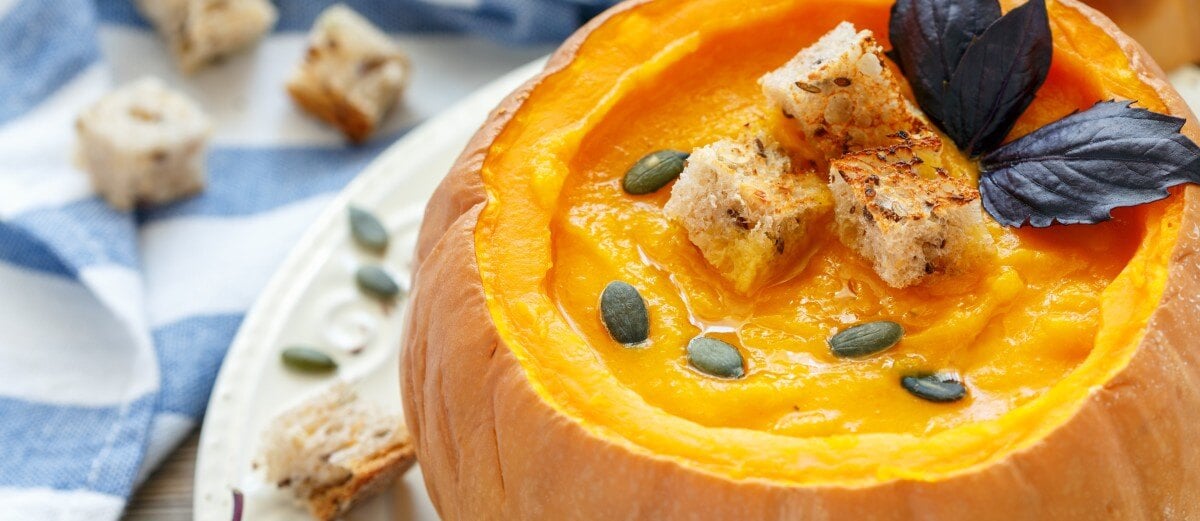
{"points": [[1075, 342]]}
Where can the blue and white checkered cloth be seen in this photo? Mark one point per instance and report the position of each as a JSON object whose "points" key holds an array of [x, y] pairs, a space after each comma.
{"points": [[113, 325]]}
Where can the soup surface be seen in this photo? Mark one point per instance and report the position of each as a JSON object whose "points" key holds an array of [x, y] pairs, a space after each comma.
{"points": [[1029, 332]]}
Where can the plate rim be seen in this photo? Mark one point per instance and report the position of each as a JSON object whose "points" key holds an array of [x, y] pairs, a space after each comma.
{"points": [[281, 288]]}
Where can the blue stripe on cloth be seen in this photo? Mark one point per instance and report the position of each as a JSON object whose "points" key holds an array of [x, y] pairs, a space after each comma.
{"points": [[83, 233], [69, 447], [119, 12], [19, 248], [189, 354], [510, 20], [45, 43], [242, 181], [245, 181]]}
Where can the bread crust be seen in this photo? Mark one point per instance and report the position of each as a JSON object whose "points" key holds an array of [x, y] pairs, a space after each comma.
{"points": [[491, 448], [370, 477], [331, 108]]}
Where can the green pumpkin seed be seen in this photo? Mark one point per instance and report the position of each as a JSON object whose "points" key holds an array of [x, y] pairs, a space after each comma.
{"points": [[654, 171], [934, 388], [623, 312], [308, 360], [376, 282], [367, 230], [866, 339], [714, 357]]}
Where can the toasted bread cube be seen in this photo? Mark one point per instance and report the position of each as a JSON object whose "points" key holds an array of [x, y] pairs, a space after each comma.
{"points": [[352, 75], [910, 217], [745, 209], [335, 450], [202, 31], [840, 95], [143, 143]]}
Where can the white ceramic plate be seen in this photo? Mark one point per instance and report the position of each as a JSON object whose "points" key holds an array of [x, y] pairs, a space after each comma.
{"points": [[313, 300]]}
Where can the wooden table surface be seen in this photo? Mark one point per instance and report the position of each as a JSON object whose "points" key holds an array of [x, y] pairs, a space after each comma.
{"points": [[167, 494]]}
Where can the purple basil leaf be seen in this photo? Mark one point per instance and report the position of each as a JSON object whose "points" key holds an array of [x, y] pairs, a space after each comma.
{"points": [[929, 38], [997, 78], [1077, 169]]}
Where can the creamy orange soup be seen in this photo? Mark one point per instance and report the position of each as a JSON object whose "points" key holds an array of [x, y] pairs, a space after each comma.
{"points": [[1054, 312]]}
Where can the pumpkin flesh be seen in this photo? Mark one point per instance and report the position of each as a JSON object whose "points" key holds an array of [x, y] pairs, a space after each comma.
{"points": [[1059, 311]]}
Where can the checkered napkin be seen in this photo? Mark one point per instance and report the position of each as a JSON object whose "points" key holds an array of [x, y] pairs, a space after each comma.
{"points": [[112, 324]]}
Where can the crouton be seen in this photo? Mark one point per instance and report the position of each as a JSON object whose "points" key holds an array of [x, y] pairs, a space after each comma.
{"points": [[143, 144], [904, 212], [745, 209], [202, 31], [352, 74], [840, 94], [335, 450]]}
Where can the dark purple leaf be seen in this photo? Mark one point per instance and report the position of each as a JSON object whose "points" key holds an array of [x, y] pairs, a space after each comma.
{"points": [[997, 78], [1077, 169], [929, 38], [238, 503]]}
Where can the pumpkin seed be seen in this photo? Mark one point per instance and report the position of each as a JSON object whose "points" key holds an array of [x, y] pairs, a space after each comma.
{"points": [[654, 171], [623, 312], [367, 230], [866, 339], [308, 360], [376, 282], [934, 387], [714, 357]]}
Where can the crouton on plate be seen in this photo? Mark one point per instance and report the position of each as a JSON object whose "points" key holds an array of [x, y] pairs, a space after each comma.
{"points": [[335, 450]]}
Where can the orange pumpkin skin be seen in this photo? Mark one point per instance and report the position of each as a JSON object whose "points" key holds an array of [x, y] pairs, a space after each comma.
{"points": [[490, 447]]}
